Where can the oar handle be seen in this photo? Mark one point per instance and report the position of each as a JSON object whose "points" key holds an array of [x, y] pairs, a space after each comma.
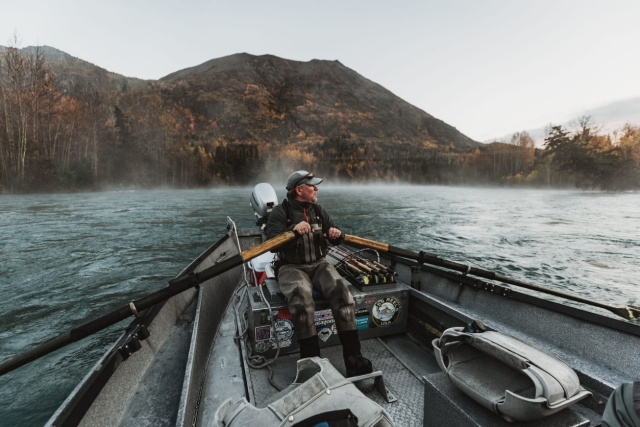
{"points": [[628, 312], [176, 286]]}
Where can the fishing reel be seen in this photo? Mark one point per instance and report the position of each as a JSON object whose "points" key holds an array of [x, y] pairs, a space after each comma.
{"points": [[263, 200]]}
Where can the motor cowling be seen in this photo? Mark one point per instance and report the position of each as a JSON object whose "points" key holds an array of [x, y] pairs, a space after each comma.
{"points": [[263, 200]]}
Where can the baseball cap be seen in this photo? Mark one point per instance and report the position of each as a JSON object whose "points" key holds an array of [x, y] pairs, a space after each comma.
{"points": [[301, 177]]}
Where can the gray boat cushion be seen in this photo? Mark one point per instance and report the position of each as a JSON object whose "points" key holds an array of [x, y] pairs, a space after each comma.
{"points": [[506, 375], [320, 388]]}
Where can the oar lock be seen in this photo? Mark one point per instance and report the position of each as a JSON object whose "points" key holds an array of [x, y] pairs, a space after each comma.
{"points": [[422, 257], [131, 342], [133, 309]]}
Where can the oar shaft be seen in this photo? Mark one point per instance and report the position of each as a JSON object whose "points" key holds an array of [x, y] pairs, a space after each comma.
{"points": [[176, 286]]}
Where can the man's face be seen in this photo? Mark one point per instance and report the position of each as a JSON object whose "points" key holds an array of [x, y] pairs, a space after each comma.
{"points": [[307, 193]]}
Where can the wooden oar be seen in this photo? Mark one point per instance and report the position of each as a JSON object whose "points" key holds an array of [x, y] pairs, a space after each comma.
{"points": [[177, 285], [627, 312]]}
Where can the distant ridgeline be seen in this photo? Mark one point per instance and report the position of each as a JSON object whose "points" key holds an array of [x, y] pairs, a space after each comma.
{"points": [[69, 125]]}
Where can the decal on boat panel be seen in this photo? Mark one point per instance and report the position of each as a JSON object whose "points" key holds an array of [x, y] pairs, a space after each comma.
{"points": [[325, 324], [263, 333], [266, 338], [282, 314], [362, 319], [323, 317], [324, 333], [385, 311], [263, 346], [284, 329], [362, 323]]}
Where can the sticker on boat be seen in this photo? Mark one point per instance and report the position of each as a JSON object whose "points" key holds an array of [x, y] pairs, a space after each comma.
{"points": [[384, 312], [263, 333], [282, 314], [324, 334], [362, 323], [323, 317], [284, 329], [362, 319]]}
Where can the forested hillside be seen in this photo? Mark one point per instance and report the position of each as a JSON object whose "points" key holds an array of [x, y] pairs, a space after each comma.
{"points": [[69, 125]]}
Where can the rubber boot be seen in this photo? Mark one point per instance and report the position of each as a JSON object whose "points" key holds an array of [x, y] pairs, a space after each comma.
{"points": [[309, 347], [354, 362]]}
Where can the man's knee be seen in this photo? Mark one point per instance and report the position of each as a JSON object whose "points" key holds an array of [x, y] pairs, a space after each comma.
{"points": [[301, 305], [340, 294]]}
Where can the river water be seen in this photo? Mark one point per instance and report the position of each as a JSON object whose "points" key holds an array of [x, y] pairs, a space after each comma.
{"points": [[68, 258]]}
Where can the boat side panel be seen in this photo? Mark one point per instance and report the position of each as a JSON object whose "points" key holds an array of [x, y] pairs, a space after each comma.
{"points": [[215, 296], [110, 406], [603, 356], [225, 373]]}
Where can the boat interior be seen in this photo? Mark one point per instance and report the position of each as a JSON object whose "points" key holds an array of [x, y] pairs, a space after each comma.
{"points": [[228, 340]]}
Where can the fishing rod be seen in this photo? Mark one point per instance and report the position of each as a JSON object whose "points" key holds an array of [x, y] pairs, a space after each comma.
{"points": [[357, 267], [176, 286], [375, 264], [351, 270], [628, 312], [385, 275]]}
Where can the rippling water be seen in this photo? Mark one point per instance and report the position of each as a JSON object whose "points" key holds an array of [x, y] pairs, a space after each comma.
{"points": [[66, 259]]}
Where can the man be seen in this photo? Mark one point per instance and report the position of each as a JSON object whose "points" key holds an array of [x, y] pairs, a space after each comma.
{"points": [[304, 268]]}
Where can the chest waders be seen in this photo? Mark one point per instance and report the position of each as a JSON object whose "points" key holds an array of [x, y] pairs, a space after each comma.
{"points": [[310, 247]]}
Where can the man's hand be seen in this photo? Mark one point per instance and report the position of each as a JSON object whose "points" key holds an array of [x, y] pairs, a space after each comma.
{"points": [[334, 233], [302, 228]]}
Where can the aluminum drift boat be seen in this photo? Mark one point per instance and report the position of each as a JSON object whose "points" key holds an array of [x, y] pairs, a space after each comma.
{"points": [[181, 360]]}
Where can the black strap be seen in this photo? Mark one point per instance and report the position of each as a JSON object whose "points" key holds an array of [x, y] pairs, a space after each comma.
{"points": [[287, 211]]}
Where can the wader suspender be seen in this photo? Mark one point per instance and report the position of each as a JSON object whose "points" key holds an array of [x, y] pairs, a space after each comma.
{"points": [[313, 247]]}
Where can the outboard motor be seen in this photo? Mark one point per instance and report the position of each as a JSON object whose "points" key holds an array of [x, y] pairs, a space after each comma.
{"points": [[263, 200]]}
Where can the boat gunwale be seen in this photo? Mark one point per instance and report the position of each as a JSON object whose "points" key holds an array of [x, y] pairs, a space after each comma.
{"points": [[77, 403], [595, 317]]}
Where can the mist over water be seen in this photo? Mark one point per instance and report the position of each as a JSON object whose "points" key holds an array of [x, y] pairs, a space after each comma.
{"points": [[69, 258]]}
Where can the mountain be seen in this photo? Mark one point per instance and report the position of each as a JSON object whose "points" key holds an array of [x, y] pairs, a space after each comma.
{"points": [[71, 71], [231, 120], [250, 98], [266, 97]]}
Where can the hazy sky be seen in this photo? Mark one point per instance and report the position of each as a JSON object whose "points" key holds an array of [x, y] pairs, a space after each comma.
{"points": [[488, 68]]}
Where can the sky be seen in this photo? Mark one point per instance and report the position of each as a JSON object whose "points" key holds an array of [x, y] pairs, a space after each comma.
{"points": [[487, 67]]}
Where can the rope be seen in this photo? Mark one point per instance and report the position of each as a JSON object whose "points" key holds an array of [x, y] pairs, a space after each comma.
{"points": [[254, 361]]}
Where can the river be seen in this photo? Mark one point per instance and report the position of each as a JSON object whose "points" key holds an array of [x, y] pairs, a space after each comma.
{"points": [[68, 258]]}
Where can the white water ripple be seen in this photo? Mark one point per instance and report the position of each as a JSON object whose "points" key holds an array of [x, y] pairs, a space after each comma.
{"points": [[67, 259]]}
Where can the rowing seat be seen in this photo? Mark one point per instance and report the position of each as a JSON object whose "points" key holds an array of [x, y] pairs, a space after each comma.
{"points": [[507, 376], [318, 389]]}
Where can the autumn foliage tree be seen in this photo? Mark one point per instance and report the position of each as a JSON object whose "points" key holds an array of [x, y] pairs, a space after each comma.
{"points": [[93, 130]]}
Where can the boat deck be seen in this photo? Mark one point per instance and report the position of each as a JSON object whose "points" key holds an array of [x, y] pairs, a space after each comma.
{"points": [[402, 362]]}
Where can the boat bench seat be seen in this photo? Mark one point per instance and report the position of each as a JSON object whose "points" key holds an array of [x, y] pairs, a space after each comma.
{"points": [[506, 375]]}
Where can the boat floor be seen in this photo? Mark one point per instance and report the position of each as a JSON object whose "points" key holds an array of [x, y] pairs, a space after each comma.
{"points": [[402, 362]]}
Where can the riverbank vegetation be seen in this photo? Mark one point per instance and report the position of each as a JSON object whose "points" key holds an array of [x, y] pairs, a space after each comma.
{"points": [[70, 133]]}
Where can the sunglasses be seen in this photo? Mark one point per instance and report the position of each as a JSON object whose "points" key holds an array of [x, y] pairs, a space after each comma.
{"points": [[307, 177]]}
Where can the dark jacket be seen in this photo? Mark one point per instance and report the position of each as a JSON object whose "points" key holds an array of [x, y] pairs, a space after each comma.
{"points": [[310, 212]]}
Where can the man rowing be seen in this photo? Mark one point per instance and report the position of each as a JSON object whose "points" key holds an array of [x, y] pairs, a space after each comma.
{"points": [[304, 267]]}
